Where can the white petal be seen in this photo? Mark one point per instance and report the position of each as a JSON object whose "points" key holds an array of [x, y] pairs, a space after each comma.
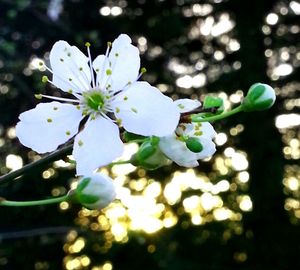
{"points": [[209, 148], [193, 129], [177, 151], [71, 71], [100, 65], [144, 110], [124, 63], [187, 105], [208, 130], [97, 145], [48, 125]]}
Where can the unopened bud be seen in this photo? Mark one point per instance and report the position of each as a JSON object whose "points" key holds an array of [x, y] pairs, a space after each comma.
{"points": [[96, 191], [149, 156], [260, 97]]}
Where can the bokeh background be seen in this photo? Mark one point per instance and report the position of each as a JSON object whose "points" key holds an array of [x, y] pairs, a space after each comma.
{"points": [[237, 210]]}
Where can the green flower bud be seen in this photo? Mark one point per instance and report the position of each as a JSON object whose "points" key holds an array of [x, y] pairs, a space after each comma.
{"points": [[260, 97], [194, 145], [96, 191], [149, 155]]}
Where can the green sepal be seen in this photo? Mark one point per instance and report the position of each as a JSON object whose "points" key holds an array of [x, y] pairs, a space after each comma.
{"points": [[194, 145], [87, 199], [154, 140], [256, 90], [146, 150], [82, 184], [128, 137], [84, 198], [213, 102], [149, 156]]}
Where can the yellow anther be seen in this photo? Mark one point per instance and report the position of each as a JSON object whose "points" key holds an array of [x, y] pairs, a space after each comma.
{"points": [[44, 79], [134, 110], [41, 63], [108, 72], [68, 133], [143, 70], [119, 121], [49, 120], [125, 98], [80, 143], [38, 96], [70, 91], [55, 108], [108, 44], [87, 44], [116, 54], [78, 107], [117, 110], [198, 133], [80, 68]]}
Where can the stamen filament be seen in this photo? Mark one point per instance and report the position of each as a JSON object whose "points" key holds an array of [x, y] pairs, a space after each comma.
{"points": [[91, 64], [104, 65], [60, 98], [61, 78]]}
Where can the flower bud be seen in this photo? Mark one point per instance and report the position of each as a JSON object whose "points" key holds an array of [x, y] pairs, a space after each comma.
{"points": [[149, 155], [96, 191], [260, 97]]}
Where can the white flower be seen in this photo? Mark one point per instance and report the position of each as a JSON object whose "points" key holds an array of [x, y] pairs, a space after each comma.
{"points": [[108, 93], [191, 141], [95, 191]]}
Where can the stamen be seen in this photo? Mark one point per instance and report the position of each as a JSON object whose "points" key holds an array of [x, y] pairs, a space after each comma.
{"points": [[143, 70], [39, 96], [61, 78], [87, 44], [104, 65]]}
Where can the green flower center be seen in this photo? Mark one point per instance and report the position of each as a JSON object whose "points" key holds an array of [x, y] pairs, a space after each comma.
{"points": [[94, 100]]}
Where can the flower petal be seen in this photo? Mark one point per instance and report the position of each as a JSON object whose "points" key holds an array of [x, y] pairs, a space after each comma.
{"points": [[187, 105], [98, 144], [205, 129], [124, 63], [177, 151], [209, 148], [48, 125], [71, 71], [144, 110], [100, 65]]}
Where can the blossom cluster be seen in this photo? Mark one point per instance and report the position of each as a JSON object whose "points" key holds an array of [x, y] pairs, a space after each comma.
{"points": [[102, 97]]}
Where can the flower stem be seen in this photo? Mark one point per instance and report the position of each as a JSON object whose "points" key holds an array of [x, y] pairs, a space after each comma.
{"points": [[4, 202], [120, 162], [44, 160], [197, 118]]}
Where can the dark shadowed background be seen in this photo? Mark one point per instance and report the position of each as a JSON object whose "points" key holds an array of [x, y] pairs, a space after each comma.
{"points": [[238, 210]]}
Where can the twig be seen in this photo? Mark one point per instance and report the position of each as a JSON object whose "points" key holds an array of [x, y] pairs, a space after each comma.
{"points": [[44, 160]]}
